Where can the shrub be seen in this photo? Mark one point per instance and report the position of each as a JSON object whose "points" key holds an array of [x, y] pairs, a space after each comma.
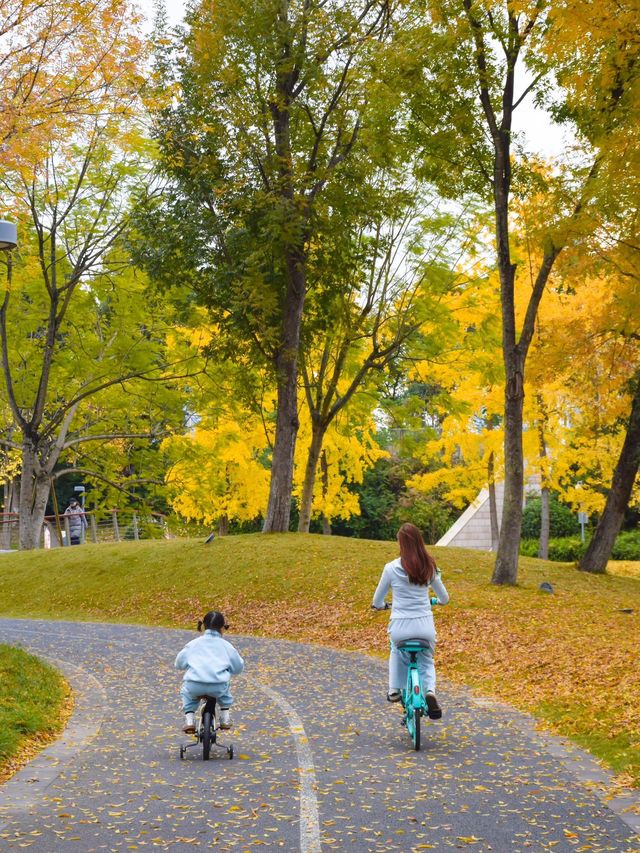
{"points": [[529, 547], [563, 521], [432, 516], [627, 546], [568, 549]]}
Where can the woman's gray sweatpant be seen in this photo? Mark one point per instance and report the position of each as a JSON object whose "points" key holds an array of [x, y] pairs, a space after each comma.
{"points": [[399, 630]]}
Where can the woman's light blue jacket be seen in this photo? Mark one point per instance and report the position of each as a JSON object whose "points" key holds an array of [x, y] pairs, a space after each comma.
{"points": [[409, 600]]}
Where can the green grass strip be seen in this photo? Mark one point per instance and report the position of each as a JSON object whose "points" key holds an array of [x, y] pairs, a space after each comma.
{"points": [[32, 696]]}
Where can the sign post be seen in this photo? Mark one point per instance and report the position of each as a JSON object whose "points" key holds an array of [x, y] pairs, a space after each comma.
{"points": [[583, 520]]}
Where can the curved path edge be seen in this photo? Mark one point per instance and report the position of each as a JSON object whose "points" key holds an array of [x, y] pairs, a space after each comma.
{"points": [[623, 802], [583, 766], [25, 788]]}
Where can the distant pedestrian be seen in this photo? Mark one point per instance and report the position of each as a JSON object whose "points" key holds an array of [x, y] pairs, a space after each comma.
{"points": [[77, 521]]}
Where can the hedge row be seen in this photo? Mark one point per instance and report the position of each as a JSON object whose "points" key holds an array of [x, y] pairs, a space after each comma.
{"points": [[568, 549]]}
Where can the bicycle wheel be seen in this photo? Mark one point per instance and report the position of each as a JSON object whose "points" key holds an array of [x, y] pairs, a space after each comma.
{"points": [[409, 717], [206, 735], [416, 729]]}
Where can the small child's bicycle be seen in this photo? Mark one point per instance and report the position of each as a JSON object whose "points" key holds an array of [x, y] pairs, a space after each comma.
{"points": [[207, 724]]}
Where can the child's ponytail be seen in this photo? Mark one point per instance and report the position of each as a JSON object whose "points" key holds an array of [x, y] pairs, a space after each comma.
{"points": [[212, 621]]}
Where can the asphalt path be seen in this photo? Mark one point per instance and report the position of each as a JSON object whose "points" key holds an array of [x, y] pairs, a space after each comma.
{"points": [[321, 761]]}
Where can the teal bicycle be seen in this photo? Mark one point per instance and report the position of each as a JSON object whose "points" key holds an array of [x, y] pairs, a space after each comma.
{"points": [[413, 699]]}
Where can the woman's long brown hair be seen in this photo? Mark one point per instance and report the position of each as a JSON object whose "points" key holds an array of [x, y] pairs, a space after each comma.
{"points": [[415, 559]]}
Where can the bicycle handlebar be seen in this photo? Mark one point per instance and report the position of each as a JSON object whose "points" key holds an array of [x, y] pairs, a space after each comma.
{"points": [[433, 601]]}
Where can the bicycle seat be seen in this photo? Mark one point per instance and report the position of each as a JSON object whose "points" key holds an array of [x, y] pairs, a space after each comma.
{"points": [[413, 645]]}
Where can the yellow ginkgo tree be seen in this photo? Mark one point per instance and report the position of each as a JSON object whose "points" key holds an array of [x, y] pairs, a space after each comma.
{"points": [[217, 473], [464, 454], [593, 351], [349, 447]]}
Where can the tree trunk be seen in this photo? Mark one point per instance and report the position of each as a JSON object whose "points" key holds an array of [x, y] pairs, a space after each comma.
{"points": [[223, 525], [506, 566], [545, 517], [34, 494], [324, 467], [286, 359], [545, 524], [287, 423], [5, 530], [11, 505], [599, 551], [313, 455], [493, 508], [280, 487]]}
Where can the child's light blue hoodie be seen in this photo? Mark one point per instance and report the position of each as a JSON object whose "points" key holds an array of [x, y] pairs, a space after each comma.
{"points": [[209, 659]]}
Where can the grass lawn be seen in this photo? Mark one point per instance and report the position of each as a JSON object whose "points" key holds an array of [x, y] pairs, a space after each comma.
{"points": [[34, 705], [570, 658], [624, 568]]}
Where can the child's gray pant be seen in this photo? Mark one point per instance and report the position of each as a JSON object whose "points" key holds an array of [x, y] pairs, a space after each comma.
{"points": [[191, 691], [422, 628]]}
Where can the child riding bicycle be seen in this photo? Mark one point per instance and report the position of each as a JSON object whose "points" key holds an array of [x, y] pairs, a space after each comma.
{"points": [[209, 661], [409, 578]]}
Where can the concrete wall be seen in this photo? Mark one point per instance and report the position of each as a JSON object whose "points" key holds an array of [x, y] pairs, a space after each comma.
{"points": [[473, 528]]}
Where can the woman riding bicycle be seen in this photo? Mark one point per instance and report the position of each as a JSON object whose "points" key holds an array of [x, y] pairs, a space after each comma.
{"points": [[409, 578]]}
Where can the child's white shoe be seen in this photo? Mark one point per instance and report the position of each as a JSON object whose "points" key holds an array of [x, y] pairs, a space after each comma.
{"points": [[225, 718], [189, 724]]}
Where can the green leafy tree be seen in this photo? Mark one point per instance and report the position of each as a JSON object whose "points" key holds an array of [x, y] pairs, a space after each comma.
{"points": [[275, 130], [378, 289], [80, 338], [563, 521]]}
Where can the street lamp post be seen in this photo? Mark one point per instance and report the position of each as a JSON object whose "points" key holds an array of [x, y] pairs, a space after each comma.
{"points": [[8, 241], [8, 235]]}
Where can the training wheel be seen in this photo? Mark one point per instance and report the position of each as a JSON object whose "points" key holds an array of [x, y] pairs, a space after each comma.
{"points": [[182, 753], [230, 752]]}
